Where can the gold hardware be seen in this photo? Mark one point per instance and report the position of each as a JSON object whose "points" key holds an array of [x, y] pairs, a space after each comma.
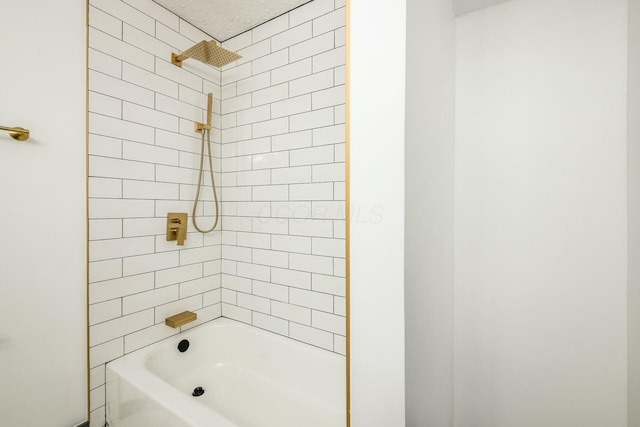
{"points": [[208, 52], [177, 227], [200, 127], [19, 134], [180, 319]]}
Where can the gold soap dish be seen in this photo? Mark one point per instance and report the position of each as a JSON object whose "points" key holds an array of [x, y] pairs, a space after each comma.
{"points": [[180, 319]]}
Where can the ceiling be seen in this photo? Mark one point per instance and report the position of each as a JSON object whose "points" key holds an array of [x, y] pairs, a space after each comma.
{"points": [[223, 19], [465, 6]]}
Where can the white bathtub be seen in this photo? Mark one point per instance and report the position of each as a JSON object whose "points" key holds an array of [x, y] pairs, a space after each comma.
{"points": [[251, 378]]}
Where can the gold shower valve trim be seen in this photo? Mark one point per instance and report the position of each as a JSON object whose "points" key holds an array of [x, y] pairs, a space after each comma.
{"points": [[207, 52]]}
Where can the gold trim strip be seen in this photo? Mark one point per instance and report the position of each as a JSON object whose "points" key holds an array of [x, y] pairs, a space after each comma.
{"points": [[86, 166], [348, 204]]}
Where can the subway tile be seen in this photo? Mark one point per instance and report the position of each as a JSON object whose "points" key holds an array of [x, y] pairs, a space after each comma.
{"points": [[253, 303], [133, 227], [310, 11], [339, 114], [311, 227], [270, 127], [237, 224], [271, 61], [105, 229], [254, 271], [298, 244], [329, 60], [311, 156], [311, 47], [149, 80], [312, 83], [178, 108], [254, 83], [105, 146], [177, 74], [198, 286], [340, 153], [196, 255], [328, 322], [105, 105], [296, 279], [236, 283], [338, 191], [118, 248], [229, 296], [97, 416], [193, 97], [329, 97], [291, 209], [316, 191], [232, 105], [311, 336], [260, 209], [313, 119], [329, 135], [172, 37], [149, 117], [149, 299], [104, 63], [340, 306], [291, 71], [238, 42], [329, 172], [177, 141], [269, 225], [237, 253], [236, 313], [236, 73], [147, 336], [146, 42], [328, 284], [257, 177], [328, 247], [191, 32], [105, 270], [176, 175], [339, 231], [117, 208], [236, 194], [211, 297], [311, 263], [120, 129], [270, 323], [339, 267], [156, 12], [270, 28], [291, 140], [329, 22], [149, 190], [327, 209], [127, 14], [119, 49], [254, 51], [290, 37], [270, 94], [270, 257], [147, 263], [108, 188], [205, 314], [339, 75], [192, 303], [97, 377], [97, 398], [111, 86], [252, 115], [270, 160], [271, 291], [115, 168], [295, 175], [175, 275], [291, 312], [106, 352], [119, 327], [291, 106], [103, 311], [234, 134], [149, 153], [270, 192], [254, 240], [311, 299], [340, 344]]}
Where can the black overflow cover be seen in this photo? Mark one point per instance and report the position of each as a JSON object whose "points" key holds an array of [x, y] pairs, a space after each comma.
{"points": [[198, 391], [183, 346]]}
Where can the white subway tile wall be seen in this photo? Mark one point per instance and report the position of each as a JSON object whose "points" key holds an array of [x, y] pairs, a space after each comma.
{"points": [[283, 176], [277, 260], [143, 161]]}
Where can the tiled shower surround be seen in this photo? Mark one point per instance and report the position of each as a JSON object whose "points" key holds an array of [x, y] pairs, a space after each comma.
{"points": [[277, 260]]}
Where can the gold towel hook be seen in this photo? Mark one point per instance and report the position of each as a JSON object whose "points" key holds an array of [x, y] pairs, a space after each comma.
{"points": [[17, 133]]}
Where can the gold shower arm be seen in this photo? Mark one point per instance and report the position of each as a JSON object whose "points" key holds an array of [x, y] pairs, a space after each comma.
{"points": [[177, 59], [17, 133]]}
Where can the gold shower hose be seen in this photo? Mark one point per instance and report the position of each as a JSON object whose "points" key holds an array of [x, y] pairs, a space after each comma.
{"points": [[213, 184]]}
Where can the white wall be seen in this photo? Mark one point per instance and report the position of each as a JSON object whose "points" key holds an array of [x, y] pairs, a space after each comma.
{"points": [[43, 346], [633, 164], [377, 61], [540, 302], [429, 213]]}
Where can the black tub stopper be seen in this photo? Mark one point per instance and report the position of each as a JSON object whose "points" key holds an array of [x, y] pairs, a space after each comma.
{"points": [[183, 346], [198, 391]]}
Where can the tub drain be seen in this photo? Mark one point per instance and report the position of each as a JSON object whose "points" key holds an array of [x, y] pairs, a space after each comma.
{"points": [[198, 391]]}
